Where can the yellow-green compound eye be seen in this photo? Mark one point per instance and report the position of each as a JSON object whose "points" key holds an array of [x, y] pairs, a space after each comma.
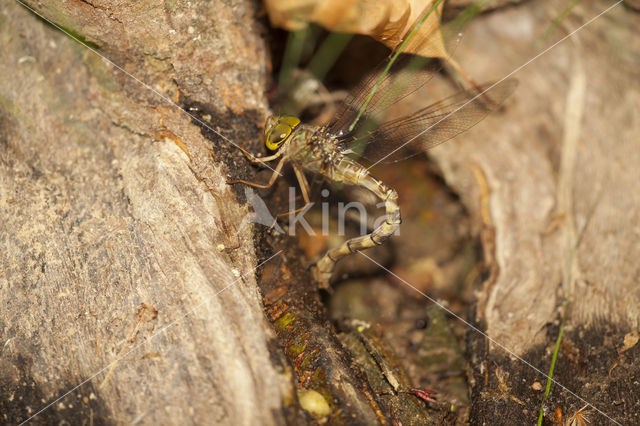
{"points": [[278, 131]]}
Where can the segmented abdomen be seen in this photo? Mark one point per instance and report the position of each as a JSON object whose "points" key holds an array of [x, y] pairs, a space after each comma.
{"points": [[345, 170]]}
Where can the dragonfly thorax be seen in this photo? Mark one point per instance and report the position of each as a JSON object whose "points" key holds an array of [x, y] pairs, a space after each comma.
{"points": [[278, 129]]}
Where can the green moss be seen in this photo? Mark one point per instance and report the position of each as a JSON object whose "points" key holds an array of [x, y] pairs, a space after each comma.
{"points": [[56, 22], [284, 321], [305, 362], [299, 345]]}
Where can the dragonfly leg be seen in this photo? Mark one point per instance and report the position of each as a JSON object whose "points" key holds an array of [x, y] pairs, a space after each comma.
{"points": [[255, 159], [304, 188], [304, 184], [324, 267], [298, 210], [274, 176]]}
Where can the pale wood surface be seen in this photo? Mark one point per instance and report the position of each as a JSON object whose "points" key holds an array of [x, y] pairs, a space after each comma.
{"points": [[101, 212], [560, 160], [111, 232]]}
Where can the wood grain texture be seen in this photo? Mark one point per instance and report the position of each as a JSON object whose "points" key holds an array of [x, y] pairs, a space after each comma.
{"points": [[120, 262], [123, 260], [553, 187], [558, 161]]}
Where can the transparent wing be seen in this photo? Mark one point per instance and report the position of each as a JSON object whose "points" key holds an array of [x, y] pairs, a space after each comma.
{"points": [[401, 138], [404, 77], [393, 87]]}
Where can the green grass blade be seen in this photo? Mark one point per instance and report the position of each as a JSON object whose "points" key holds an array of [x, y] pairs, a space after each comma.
{"points": [[393, 59]]}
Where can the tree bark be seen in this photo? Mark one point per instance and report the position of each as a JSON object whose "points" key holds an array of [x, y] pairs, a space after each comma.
{"points": [[553, 187], [129, 276], [128, 282], [124, 271]]}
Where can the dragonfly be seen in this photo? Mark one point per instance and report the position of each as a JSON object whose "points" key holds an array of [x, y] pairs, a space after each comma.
{"points": [[340, 150]]}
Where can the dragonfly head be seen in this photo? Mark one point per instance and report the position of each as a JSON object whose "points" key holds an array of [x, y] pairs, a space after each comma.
{"points": [[278, 129]]}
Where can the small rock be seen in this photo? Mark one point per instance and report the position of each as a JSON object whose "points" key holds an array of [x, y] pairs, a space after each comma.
{"points": [[314, 403]]}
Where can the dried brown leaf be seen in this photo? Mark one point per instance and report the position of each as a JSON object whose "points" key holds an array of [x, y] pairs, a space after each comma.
{"points": [[387, 21]]}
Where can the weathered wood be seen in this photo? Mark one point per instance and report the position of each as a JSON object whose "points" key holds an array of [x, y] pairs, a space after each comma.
{"points": [[553, 187], [120, 262], [123, 244], [123, 255]]}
